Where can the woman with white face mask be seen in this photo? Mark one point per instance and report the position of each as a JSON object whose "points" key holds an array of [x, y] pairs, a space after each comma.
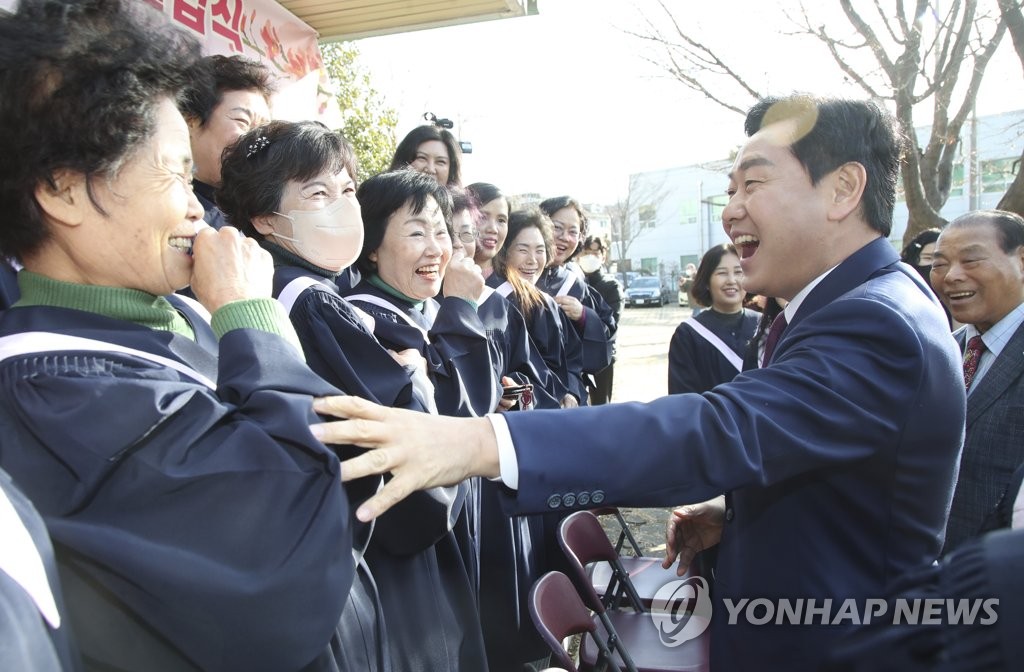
{"points": [[290, 186]]}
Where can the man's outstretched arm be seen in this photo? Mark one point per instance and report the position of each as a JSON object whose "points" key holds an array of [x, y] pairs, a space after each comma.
{"points": [[420, 450]]}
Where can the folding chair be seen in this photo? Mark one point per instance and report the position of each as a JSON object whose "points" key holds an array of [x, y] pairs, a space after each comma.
{"points": [[558, 613], [645, 572], [584, 542]]}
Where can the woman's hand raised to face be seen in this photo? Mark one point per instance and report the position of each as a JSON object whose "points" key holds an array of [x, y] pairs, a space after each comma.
{"points": [[463, 278], [228, 267]]}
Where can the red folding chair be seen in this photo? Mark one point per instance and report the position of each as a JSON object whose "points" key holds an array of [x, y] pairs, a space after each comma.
{"points": [[558, 613], [636, 630], [645, 572]]}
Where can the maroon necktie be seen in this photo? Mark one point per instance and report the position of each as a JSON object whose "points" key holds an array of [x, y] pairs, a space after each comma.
{"points": [[774, 333], [972, 356]]}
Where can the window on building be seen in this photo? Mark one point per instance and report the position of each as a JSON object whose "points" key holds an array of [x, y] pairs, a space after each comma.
{"points": [[956, 180], [649, 265], [648, 215], [691, 212], [997, 174]]}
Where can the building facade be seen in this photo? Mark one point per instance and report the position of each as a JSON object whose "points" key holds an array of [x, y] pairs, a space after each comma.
{"points": [[675, 214]]}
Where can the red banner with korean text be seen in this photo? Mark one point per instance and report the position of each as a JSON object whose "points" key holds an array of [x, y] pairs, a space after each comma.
{"points": [[261, 30]]}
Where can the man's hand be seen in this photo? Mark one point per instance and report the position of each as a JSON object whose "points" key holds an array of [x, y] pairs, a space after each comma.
{"points": [[691, 529], [571, 306], [463, 278], [228, 267], [420, 450]]}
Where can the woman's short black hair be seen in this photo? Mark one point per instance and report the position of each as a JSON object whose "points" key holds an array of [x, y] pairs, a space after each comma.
{"points": [[701, 289], [257, 167], [80, 85], [383, 195], [552, 205], [911, 254], [405, 153], [602, 245], [211, 77], [485, 192]]}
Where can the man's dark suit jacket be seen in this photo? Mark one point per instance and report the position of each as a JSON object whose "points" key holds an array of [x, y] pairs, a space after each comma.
{"points": [[994, 446], [839, 457]]}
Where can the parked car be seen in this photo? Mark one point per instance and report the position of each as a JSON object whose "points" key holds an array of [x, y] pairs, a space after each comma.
{"points": [[647, 291]]}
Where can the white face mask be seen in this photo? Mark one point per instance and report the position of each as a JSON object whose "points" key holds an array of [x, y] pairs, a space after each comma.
{"points": [[589, 262], [331, 238]]}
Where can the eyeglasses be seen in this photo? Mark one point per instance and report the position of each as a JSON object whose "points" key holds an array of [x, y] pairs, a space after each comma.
{"points": [[560, 230], [466, 236]]}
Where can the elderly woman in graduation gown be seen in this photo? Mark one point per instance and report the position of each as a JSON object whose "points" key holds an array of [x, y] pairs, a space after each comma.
{"points": [[430, 608], [290, 186], [407, 260], [198, 525]]}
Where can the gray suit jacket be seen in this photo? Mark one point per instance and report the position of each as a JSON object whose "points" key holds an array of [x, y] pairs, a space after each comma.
{"points": [[994, 446]]}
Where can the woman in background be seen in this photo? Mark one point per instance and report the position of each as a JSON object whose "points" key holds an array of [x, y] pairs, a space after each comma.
{"points": [[919, 254], [592, 262], [492, 224], [433, 151], [708, 350], [517, 267], [589, 314]]}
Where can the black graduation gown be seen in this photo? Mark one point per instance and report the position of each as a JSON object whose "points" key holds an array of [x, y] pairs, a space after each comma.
{"points": [[449, 335], [437, 629], [513, 351], [27, 640], [197, 524], [413, 555], [557, 342], [696, 364], [597, 328], [9, 292], [512, 548], [212, 215]]}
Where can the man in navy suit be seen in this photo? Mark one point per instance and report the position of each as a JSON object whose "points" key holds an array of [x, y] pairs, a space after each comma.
{"points": [[979, 273], [837, 458]]}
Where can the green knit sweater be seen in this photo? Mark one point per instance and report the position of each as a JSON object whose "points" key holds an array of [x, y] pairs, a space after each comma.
{"points": [[155, 312]]}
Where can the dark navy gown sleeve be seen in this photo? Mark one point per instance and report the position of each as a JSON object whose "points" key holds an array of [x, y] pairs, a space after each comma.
{"points": [[455, 346], [209, 521], [517, 356], [339, 347]]}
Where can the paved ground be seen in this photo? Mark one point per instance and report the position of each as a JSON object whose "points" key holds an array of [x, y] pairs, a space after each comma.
{"points": [[641, 374]]}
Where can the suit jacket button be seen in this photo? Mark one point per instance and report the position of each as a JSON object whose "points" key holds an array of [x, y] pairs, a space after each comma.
{"points": [[568, 499], [729, 515], [597, 496], [583, 498], [554, 501]]}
